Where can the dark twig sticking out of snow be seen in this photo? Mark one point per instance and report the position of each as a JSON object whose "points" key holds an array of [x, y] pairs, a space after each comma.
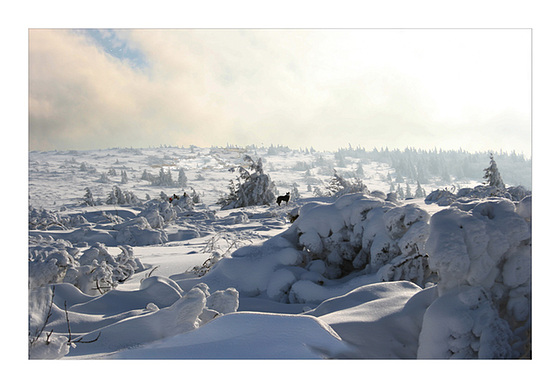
{"points": [[80, 340]]}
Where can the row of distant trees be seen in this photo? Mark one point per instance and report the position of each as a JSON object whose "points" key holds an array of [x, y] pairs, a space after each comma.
{"points": [[165, 179], [254, 187], [424, 165]]}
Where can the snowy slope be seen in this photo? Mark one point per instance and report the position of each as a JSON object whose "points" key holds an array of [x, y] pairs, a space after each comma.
{"points": [[352, 277]]}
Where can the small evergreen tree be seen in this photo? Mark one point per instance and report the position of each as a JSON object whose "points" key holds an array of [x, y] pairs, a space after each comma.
{"points": [[400, 192], [408, 193], [360, 170], [88, 198], [492, 175], [112, 198], [164, 179], [146, 176], [295, 192], [103, 178], [182, 179], [420, 192], [124, 177]]}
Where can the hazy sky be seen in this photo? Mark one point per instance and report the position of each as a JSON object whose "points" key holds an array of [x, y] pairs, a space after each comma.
{"points": [[321, 88]]}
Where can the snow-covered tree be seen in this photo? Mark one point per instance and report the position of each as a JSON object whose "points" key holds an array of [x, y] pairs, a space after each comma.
{"points": [[88, 198], [400, 192], [251, 189], [103, 178], [147, 176], [420, 192], [408, 193], [119, 197], [164, 178], [339, 186], [182, 180], [295, 192], [115, 196], [492, 175], [360, 170], [124, 177]]}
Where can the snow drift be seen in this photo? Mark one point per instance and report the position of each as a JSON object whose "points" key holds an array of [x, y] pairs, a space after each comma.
{"points": [[347, 276]]}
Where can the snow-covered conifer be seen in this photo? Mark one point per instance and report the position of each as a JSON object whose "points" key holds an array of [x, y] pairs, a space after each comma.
{"points": [[252, 188], [360, 170], [88, 198], [400, 192], [408, 193], [420, 192], [147, 176], [295, 192], [492, 175], [103, 178], [182, 179]]}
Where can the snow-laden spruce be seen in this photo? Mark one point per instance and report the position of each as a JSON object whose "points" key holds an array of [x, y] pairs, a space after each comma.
{"points": [[251, 189]]}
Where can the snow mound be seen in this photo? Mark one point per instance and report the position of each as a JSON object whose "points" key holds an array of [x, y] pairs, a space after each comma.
{"points": [[464, 324], [381, 321], [482, 249], [330, 249], [138, 231], [444, 197], [120, 319], [245, 335]]}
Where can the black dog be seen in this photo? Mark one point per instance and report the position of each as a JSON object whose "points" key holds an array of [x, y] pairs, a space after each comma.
{"points": [[283, 198]]}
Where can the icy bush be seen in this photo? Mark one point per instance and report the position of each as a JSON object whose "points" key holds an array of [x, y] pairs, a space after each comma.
{"points": [[41, 219], [357, 235], [48, 260], [118, 197], [157, 213], [483, 248], [339, 186], [358, 232], [94, 271], [440, 197], [446, 198], [516, 193], [138, 232], [99, 271]]}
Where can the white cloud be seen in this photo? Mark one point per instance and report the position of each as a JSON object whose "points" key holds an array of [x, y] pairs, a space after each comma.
{"points": [[320, 88]]}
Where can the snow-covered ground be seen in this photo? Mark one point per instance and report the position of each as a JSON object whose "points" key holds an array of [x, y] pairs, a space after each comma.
{"points": [[357, 276]]}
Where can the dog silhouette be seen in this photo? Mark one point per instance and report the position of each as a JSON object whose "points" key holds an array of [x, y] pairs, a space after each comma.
{"points": [[283, 198]]}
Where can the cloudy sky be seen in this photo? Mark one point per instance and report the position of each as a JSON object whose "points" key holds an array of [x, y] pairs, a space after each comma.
{"points": [[321, 88]]}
